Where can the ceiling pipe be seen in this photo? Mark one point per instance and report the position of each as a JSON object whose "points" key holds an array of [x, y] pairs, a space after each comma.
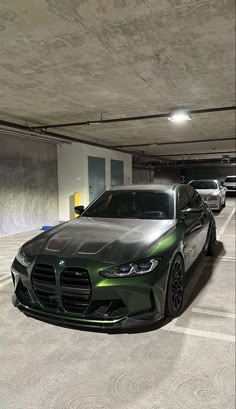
{"points": [[57, 137], [175, 142], [61, 137], [180, 164], [132, 118], [32, 136], [193, 154]]}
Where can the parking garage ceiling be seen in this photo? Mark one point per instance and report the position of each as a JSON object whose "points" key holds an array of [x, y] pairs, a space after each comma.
{"points": [[66, 61]]}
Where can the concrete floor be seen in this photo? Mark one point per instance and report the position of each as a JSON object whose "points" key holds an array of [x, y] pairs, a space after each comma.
{"points": [[186, 364]]}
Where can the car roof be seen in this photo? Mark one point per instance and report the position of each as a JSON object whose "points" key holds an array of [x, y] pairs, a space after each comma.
{"points": [[151, 186], [232, 176]]}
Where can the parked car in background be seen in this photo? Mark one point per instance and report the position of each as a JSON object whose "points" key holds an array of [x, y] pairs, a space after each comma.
{"points": [[121, 263], [211, 191], [230, 183]]}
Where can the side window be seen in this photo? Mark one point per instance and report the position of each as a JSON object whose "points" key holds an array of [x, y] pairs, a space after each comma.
{"points": [[183, 199], [195, 198]]}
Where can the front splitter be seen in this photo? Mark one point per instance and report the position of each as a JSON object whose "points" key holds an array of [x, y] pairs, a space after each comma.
{"points": [[125, 322]]}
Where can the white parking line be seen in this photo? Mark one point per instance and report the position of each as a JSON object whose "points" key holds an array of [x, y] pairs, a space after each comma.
{"points": [[5, 283], [4, 277], [223, 228], [199, 333], [215, 313], [227, 258], [229, 236]]}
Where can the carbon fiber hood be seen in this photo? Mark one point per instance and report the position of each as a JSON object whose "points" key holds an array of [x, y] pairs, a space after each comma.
{"points": [[106, 240]]}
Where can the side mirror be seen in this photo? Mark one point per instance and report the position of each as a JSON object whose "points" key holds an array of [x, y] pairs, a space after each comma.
{"points": [[79, 210], [190, 213]]}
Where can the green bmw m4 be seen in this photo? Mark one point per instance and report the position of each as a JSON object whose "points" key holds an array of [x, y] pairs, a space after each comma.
{"points": [[120, 264]]}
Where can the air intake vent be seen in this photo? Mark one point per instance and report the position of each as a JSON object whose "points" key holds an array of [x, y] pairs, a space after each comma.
{"points": [[23, 294], [75, 289], [44, 285]]}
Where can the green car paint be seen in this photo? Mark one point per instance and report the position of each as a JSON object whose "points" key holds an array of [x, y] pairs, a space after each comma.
{"points": [[63, 279]]}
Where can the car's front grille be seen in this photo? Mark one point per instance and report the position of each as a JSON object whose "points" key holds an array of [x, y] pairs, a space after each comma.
{"points": [[75, 289], [44, 285]]}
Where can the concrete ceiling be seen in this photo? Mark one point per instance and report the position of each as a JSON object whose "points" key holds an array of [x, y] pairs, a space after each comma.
{"points": [[69, 60]]}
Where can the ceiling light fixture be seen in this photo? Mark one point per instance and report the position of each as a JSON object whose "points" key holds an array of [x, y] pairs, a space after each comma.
{"points": [[180, 116]]}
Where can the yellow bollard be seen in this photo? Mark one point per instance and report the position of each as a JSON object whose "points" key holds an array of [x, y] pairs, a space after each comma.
{"points": [[76, 202]]}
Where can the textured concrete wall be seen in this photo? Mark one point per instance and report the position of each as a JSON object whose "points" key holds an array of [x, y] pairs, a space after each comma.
{"points": [[28, 184], [140, 176], [167, 176]]}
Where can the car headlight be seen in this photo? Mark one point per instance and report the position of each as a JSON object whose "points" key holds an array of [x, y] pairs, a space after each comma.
{"points": [[22, 258], [136, 268]]}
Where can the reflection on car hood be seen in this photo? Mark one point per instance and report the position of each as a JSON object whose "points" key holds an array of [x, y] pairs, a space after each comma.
{"points": [[108, 240], [207, 192]]}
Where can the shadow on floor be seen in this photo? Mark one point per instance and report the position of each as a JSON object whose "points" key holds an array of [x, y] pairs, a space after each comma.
{"points": [[205, 276]]}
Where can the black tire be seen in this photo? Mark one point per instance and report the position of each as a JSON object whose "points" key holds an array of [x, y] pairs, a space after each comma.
{"points": [[175, 289], [212, 241], [223, 205]]}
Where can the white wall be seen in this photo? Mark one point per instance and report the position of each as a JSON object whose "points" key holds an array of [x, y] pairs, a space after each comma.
{"points": [[73, 173]]}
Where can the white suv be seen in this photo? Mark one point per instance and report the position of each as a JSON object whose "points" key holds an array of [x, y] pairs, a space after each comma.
{"points": [[230, 183]]}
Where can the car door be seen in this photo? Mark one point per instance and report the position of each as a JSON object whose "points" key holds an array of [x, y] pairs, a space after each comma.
{"points": [[201, 223], [190, 226]]}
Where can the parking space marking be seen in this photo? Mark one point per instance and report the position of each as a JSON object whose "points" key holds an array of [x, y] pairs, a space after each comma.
{"points": [[223, 228], [4, 277], [199, 333], [2, 284], [229, 236], [212, 312], [227, 258]]}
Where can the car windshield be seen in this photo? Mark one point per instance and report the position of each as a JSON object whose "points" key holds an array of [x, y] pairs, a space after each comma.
{"points": [[131, 204], [203, 184], [231, 179]]}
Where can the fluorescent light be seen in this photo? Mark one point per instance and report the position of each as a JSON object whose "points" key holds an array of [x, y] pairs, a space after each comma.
{"points": [[179, 116]]}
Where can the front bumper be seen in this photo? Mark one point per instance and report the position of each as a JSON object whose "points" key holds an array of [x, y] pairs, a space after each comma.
{"points": [[124, 322], [213, 204], [231, 189], [114, 303]]}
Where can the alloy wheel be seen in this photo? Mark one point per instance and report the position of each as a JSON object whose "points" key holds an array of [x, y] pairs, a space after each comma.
{"points": [[177, 285]]}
